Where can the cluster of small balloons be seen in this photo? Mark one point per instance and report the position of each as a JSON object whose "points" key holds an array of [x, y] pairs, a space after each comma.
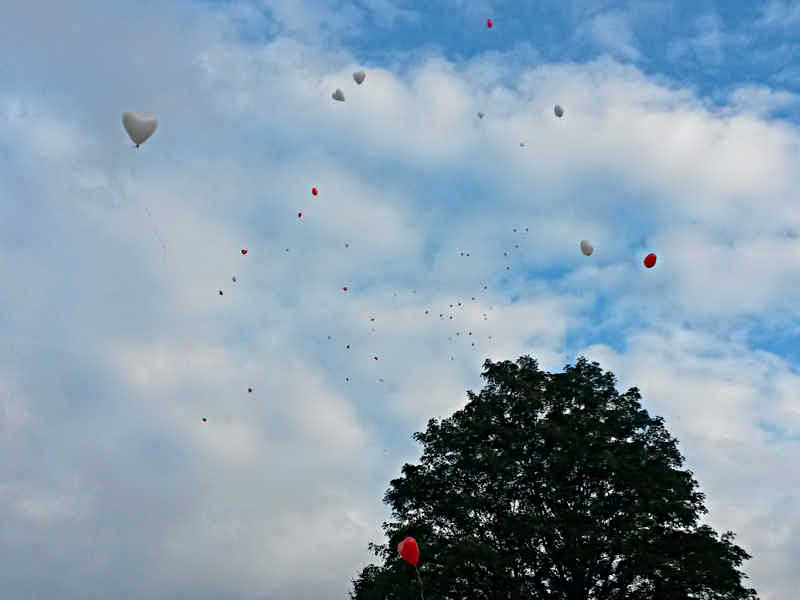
{"points": [[358, 77], [141, 127]]}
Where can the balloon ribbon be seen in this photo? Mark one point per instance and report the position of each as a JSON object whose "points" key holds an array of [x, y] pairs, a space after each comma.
{"points": [[421, 591]]}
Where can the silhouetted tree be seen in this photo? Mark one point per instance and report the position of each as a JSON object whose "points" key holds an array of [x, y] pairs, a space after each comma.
{"points": [[552, 486]]}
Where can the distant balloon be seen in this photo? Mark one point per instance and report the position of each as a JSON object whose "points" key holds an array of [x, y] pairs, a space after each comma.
{"points": [[220, 292], [314, 191], [338, 95], [409, 550], [249, 390], [489, 23], [344, 288], [139, 127], [244, 251], [299, 215], [650, 261], [558, 110], [359, 77], [204, 420], [481, 115], [233, 279], [586, 247]]}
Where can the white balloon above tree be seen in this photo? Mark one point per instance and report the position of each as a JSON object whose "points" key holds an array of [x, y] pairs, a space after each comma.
{"points": [[139, 127]]}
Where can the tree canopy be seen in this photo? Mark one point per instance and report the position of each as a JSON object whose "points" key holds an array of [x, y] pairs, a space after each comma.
{"points": [[552, 486]]}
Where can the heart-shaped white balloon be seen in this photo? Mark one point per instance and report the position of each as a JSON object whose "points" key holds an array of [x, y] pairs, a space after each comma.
{"points": [[338, 95], [139, 127], [359, 77]]}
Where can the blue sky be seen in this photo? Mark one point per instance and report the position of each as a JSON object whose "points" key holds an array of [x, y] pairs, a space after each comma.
{"points": [[680, 137]]}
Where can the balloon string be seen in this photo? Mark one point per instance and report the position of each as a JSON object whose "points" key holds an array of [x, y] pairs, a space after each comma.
{"points": [[155, 231], [147, 211], [421, 591]]}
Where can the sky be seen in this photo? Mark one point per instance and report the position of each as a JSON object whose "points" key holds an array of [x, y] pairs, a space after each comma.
{"points": [[680, 137]]}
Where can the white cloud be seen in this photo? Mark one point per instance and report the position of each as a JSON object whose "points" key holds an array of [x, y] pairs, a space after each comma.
{"points": [[782, 13], [761, 100], [612, 32]]}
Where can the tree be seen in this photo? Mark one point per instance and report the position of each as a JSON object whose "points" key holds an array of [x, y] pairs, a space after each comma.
{"points": [[552, 486]]}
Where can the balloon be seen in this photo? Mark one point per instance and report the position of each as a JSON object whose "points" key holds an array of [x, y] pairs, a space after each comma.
{"points": [[586, 247], [558, 110], [489, 23], [299, 215], [481, 115], [204, 420], [244, 251], [359, 77], [249, 390], [650, 261], [314, 191], [139, 127], [233, 279], [338, 95], [409, 550], [220, 292], [344, 288]]}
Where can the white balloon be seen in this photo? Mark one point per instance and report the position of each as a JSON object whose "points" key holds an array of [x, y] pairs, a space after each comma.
{"points": [[338, 95], [558, 110], [586, 247], [359, 77], [139, 127]]}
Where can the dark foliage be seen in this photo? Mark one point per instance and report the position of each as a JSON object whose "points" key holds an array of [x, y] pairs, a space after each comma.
{"points": [[552, 486]]}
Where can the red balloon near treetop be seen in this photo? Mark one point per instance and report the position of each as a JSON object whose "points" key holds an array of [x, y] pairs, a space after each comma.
{"points": [[409, 550]]}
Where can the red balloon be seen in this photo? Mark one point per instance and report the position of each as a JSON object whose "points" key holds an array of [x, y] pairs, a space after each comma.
{"points": [[244, 251], [375, 357], [314, 191], [344, 288], [409, 550], [650, 261], [249, 390], [489, 23], [299, 215], [220, 292], [204, 419]]}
